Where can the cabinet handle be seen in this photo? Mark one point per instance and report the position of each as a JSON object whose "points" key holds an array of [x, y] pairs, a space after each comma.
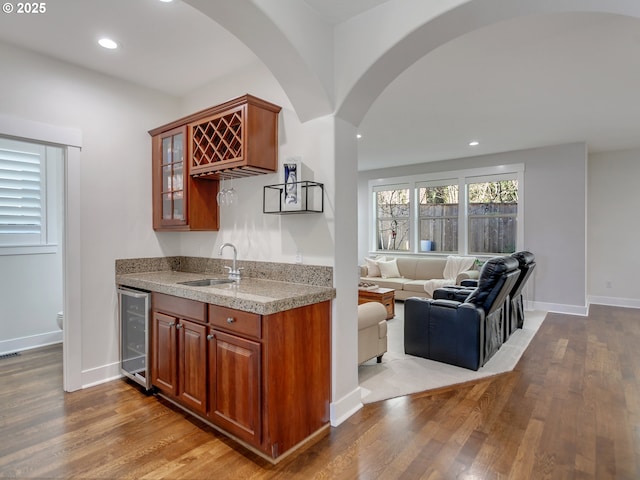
{"points": [[230, 319], [210, 336], [172, 325], [179, 326]]}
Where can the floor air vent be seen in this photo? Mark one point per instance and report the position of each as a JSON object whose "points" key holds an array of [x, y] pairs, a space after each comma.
{"points": [[9, 355]]}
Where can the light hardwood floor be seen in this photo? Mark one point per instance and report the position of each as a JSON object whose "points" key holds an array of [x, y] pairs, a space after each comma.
{"points": [[570, 409]]}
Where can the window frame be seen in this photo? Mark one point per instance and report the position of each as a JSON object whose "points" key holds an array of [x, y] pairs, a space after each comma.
{"points": [[384, 188], [463, 177], [489, 179], [52, 158], [430, 184]]}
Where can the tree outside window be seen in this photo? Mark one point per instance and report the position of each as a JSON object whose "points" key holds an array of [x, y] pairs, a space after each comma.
{"points": [[392, 219]]}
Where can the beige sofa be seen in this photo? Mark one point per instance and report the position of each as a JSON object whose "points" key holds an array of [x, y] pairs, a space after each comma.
{"points": [[414, 273], [372, 331]]}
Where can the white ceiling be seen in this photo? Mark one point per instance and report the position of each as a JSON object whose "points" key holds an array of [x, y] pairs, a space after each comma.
{"points": [[170, 47], [524, 83], [529, 82]]}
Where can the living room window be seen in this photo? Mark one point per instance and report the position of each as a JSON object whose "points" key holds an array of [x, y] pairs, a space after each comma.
{"points": [[470, 212], [492, 212], [392, 217], [438, 216]]}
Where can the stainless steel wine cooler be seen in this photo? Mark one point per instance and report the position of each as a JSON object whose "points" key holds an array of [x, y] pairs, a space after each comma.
{"points": [[134, 306]]}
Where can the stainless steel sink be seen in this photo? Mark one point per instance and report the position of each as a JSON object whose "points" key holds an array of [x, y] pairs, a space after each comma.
{"points": [[205, 282]]}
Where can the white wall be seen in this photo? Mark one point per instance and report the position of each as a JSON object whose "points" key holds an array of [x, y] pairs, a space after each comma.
{"points": [[258, 236], [613, 228], [554, 216], [31, 297], [113, 117]]}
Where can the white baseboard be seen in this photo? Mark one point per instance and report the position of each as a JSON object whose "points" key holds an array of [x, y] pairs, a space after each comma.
{"points": [[345, 407], [560, 308], [584, 311], [28, 343], [615, 301], [103, 374]]}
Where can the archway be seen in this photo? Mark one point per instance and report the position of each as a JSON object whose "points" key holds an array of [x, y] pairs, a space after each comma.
{"points": [[421, 32]]}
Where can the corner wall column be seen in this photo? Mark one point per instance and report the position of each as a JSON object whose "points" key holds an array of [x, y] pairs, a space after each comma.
{"points": [[346, 394]]}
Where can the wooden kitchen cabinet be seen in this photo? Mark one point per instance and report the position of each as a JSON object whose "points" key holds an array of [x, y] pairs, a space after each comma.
{"points": [[164, 372], [265, 380], [179, 351], [235, 372], [296, 376], [180, 201], [192, 365], [238, 138], [291, 350], [234, 385]]}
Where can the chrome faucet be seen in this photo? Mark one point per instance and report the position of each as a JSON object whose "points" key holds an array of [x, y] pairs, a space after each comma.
{"points": [[234, 273]]}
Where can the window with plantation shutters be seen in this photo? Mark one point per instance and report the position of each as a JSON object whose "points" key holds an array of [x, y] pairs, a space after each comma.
{"points": [[22, 193]]}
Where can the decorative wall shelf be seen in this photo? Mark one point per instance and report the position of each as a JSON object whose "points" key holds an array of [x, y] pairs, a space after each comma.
{"points": [[279, 199]]}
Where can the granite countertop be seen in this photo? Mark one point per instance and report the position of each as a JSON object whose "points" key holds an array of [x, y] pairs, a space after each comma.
{"points": [[254, 295]]}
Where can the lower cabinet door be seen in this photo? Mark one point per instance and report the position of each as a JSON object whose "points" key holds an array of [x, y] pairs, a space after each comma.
{"points": [[163, 366], [192, 365], [234, 382]]}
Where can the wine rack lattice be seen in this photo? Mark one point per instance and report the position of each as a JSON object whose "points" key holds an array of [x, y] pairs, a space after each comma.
{"points": [[217, 139]]}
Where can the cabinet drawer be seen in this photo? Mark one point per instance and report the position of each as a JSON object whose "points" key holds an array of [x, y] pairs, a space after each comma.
{"points": [[180, 307], [236, 321]]}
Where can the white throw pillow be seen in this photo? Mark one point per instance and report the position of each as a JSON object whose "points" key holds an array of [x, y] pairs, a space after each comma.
{"points": [[372, 266], [389, 269]]}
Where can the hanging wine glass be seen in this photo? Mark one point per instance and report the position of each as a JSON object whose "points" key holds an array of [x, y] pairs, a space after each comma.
{"points": [[231, 195], [222, 194]]}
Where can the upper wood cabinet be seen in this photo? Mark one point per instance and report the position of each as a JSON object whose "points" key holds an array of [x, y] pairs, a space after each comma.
{"points": [[238, 138], [180, 202]]}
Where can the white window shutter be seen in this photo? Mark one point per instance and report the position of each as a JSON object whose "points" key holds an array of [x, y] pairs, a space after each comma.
{"points": [[21, 192]]}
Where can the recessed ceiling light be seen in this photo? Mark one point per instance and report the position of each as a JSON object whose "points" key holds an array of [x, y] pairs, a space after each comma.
{"points": [[359, 135], [166, 1], [474, 143], [108, 43]]}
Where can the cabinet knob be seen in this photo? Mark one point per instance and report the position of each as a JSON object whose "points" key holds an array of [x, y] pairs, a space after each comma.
{"points": [[179, 326], [172, 325], [230, 319], [210, 336]]}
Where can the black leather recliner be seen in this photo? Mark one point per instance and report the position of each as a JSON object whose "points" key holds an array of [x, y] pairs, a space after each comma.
{"points": [[514, 314], [527, 263], [466, 334]]}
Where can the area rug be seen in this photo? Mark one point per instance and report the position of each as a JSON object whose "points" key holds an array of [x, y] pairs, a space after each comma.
{"points": [[401, 374]]}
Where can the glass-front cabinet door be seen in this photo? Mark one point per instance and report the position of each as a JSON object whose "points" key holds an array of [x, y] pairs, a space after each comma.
{"points": [[182, 202], [171, 187]]}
